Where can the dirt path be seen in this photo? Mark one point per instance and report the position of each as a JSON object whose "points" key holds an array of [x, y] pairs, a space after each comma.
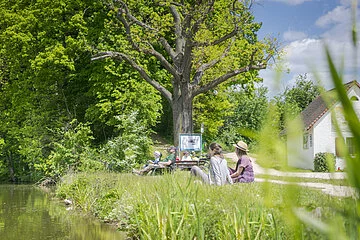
{"points": [[334, 190]]}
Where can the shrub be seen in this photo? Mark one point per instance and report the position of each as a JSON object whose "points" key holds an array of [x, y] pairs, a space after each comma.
{"points": [[324, 162], [130, 147]]}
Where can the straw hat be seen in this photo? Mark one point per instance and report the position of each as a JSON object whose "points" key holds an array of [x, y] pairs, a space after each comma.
{"points": [[242, 146]]}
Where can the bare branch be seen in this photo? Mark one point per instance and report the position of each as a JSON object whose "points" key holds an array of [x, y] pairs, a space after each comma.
{"points": [[139, 69], [197, 24], [126, 11], [162, 60], [178, 28], [168, 48], [151, 51], [201, 70], [127, 29], [227, 76]]}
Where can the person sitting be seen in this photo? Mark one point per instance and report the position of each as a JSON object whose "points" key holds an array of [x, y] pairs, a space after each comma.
{"points": [[218, 170], [244, 170], [157, 157], [186, 157], [169, 161], [194, 157]]}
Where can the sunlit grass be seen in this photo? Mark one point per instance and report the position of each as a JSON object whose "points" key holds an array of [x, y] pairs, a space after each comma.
{"points": [[178, 207]]}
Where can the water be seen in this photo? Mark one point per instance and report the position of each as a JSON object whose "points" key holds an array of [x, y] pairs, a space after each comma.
{"points": [[27, 212]]}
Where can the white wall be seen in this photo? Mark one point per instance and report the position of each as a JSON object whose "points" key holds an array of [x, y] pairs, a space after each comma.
{"points": [[324, 140], [297, 156]]}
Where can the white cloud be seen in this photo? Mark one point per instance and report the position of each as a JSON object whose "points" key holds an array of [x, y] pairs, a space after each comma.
{"points": [[294, 35], [292, 2], [340, 14], [346, 2], [305, 54], [308, 56]]}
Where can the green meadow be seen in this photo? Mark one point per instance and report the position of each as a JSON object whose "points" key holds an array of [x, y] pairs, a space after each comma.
{"points": [[178, 206]]}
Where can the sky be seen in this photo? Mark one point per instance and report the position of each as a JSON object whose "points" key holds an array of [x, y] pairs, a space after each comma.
{"points": [[302, 28]]}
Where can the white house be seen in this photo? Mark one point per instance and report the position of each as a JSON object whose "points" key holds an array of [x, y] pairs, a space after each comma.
{"points": [[319, 132]]}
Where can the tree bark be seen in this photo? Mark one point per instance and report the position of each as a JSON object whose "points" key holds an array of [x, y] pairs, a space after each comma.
{"points": [[182, 107], [10, 166]]}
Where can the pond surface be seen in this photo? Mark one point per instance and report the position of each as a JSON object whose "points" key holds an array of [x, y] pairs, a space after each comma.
{"points": [[27, 212]]}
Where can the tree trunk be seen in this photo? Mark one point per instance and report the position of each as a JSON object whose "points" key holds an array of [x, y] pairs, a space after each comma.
{"points": [[182, 113], [10, 166]]}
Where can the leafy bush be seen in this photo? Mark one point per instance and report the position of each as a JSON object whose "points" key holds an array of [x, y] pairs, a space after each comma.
{"points": [[130, 147], [324, 162], [67, 152]]}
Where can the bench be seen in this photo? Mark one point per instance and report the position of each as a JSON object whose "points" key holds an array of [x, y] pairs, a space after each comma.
{"points": [[158, 169], [186, 165]]}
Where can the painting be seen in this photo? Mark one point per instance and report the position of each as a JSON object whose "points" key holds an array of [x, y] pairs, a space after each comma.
{"points": [[190, 142]]}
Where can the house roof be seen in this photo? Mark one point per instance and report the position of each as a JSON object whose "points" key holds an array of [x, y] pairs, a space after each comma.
{"points": [[321, 105]]}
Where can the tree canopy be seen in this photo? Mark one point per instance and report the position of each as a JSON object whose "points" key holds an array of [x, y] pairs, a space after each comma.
{"points": [[47, 81]]}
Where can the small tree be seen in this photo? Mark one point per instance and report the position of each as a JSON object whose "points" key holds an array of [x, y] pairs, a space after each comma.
{"points": [[249, 113]]}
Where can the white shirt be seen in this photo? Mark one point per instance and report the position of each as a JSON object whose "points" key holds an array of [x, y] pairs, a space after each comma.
{"points": [[218, 172]]}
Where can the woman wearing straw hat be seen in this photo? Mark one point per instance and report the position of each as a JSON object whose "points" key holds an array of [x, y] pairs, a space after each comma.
{"points": [[244, 170]]}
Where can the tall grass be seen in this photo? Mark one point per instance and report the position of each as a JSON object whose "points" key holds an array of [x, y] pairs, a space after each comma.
{"points": [[176, 206]]}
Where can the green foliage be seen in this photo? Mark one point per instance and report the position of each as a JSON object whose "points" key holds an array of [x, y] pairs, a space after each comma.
{"points": [[303, 93], [130, 147], [247, 119], [295, 99], [271, 147], [324, 162], [119, 91], [68, 152], [43, 49], [211, 109], [47, 79]]}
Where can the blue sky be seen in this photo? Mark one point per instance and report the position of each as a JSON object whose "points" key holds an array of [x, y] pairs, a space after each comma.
{"points": [[302, 27]]}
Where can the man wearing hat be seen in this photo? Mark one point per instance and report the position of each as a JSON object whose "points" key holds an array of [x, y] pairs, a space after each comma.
{"points": [[244, 170]]}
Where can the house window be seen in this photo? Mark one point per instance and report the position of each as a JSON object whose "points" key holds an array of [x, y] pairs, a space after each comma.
{"points": [[351, 146], [340, 145], [307, 141]]}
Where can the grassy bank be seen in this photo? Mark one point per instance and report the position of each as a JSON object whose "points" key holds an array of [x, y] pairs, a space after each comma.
{"points": [[176, 206]]}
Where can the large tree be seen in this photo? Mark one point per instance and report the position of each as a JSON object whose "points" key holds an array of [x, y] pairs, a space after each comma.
{"points": [[199, 45]]}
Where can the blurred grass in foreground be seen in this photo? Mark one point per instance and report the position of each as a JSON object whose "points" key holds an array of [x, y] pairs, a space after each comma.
{"points": [[175, 206]]}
